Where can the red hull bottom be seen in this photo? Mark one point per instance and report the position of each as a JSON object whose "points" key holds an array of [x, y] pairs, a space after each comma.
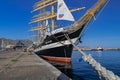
{"points": [[57, 59]]}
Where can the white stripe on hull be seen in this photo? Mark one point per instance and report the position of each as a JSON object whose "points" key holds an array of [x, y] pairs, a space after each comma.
{"points": [[57, 44]]}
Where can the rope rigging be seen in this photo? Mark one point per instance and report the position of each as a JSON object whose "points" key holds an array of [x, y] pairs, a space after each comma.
{"points": [[102, 72]]}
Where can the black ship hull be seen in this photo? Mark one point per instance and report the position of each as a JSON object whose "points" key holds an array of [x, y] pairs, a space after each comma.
{"points": [[62, 51], [57, 45]]}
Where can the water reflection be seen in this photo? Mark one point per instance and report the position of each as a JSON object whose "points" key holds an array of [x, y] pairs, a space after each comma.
{"points": [[80, 70]]}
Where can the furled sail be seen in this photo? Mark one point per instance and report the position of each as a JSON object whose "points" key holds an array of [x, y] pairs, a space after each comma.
{"points": [[63, 12]]}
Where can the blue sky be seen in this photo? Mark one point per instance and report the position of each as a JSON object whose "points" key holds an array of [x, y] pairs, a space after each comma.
{"points": [[105, 32]]}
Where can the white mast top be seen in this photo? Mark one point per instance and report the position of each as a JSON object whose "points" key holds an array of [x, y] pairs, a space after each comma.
{"points": [[63, 12]]}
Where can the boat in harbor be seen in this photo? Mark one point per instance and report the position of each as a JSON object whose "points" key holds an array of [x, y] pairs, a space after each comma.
{"points": [[99, 48], [52, 42]]}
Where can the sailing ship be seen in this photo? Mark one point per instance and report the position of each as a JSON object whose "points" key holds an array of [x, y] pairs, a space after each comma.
{"points": [[52, 42]]}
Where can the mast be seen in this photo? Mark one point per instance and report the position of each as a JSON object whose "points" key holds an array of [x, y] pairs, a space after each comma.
{"points": [[41, 28], [53, 19], [42, 16], [49, 16]]}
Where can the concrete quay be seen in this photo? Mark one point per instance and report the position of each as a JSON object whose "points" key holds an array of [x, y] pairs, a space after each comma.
{"points": [[18, 65]]}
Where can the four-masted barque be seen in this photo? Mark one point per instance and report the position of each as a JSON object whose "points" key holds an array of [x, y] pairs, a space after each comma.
{"points": [[52, 42]]}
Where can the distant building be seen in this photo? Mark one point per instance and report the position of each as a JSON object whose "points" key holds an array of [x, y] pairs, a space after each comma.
{"points": [[10, 47], [19, 44]]}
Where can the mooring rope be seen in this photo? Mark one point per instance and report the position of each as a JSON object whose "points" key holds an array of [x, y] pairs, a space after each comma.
{"points": [[102, 72]]}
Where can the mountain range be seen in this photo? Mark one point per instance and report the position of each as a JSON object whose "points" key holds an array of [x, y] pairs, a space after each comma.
{"points": [[4, 42]]}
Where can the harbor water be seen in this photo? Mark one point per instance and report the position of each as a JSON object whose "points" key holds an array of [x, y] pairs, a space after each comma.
{"points": [[81, 70]]}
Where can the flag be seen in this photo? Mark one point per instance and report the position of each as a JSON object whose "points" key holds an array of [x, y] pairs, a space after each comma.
{"points": [[63, 12]]}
